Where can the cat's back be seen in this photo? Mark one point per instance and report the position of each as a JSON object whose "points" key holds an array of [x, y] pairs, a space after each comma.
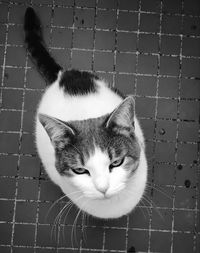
{"points": [[77, 96]]}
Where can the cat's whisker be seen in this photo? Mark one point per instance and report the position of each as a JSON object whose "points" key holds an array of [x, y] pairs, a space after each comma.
{"points": [[73, 232], [51, 207], [69, 209], [58, 217], [153, 205], [159, 189]]}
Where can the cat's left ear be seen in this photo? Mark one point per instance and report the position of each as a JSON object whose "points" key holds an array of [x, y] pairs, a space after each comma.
{"points": [[56, 129], [123, 115]]}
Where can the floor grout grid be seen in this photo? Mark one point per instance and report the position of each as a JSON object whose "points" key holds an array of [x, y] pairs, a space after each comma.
{"points": [[142, 47]]}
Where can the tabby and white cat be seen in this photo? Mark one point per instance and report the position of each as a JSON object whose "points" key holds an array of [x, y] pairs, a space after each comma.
{"points": [[87, 135]]}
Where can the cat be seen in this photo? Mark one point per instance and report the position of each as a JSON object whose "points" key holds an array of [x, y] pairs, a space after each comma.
{"points": [[87, 135]]}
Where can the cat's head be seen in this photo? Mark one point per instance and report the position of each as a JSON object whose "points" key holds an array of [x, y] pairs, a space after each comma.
{"points": [[98, 156]]}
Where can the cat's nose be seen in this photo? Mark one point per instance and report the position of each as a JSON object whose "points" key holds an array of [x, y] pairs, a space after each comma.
{"points": [[103, 189]]}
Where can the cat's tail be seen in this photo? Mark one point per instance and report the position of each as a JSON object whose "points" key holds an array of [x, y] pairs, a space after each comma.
{"points": [[36, 46]]}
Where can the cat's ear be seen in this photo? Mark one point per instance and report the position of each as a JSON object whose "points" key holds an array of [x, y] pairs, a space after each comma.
{"points": [[123, 115], [56, 129]]}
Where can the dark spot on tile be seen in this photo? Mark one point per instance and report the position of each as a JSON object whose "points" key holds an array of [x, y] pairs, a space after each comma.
{"points": [[195, 161], [76, 18], [193, 27], [187, 183], [6, 75], [132, 249], [179, 167], [162, 131], [82, 21]]}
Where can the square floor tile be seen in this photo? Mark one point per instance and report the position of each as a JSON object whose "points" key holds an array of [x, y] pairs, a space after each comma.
{"points": [[149, 22], [49, 191], [12, 99], [146, 85], [14, 77], [190, 67], [27, 189], [6, 210], [128, 21], [163, 196], [28, 144], [125, 62], [191, 25], [167, 108], [170, 44], [105, 40], [139, 218], [84, 18], [63, 16], [61, 37], [83, 39], [186, 176], [184, 220], [187, 153], [168, 87], [29, 166], [145, 107], [169, 65], [148, 126], [148, 43], [153, 6], [81, 60], [44, 238], [161, 219], [10, 121], [171, 6], [106, 19], [5, 231], [125, 83], [94, 238], [190, 88], [138, 240], [165, 152], [188, 131], [110, 239], [185, 198], [160, 241], [126, 41], [164, 174], [8, 165], [179, 246], [62, 57], [20, 231], [20, 56], [191, 47], [26, 212], [166, 130], [171, 24], [103, 61], [147, 64], [9, 143], [189, 110]]}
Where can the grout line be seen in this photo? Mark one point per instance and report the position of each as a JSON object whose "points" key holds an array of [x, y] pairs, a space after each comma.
{"points": [[104, 9], [155, 117], [177, 129]]}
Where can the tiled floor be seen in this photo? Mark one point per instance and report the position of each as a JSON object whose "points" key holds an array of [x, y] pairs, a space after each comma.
{"points": [[143, 47]]}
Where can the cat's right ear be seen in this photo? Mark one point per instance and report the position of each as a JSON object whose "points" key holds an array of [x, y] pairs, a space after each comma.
{"points": [[57, 130]]}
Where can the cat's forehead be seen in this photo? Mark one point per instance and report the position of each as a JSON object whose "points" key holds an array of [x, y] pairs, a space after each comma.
{"points": [[98, 159]]}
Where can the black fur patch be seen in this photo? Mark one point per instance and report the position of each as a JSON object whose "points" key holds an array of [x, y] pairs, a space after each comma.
{"points": [[36, 46], [76, 82]]}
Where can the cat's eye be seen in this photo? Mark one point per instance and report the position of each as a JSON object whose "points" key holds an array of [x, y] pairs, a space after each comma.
{"points": [[116, 163], [80, 171]]}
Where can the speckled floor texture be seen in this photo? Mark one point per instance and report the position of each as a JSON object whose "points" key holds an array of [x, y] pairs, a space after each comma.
{"points": [[149, 48]]}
